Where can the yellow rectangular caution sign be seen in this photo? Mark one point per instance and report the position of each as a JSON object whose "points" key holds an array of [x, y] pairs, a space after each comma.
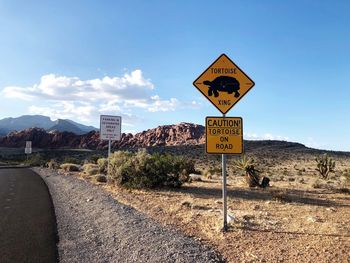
{"points": [[224, 135]]}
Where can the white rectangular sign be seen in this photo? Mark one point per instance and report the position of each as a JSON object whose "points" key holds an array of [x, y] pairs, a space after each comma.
{"points": [[28, 149], [28, 144], [110, 127]]}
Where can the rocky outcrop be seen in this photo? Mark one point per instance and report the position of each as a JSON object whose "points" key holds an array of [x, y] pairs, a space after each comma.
{"points": [[180, 134]]}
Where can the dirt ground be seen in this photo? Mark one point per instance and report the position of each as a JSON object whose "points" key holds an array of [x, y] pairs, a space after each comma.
{"points": [[299, 218]]}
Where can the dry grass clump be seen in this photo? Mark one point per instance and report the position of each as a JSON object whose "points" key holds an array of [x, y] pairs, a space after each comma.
{"points": [[346, 174], [91, 169], [70, 167], [52, 164], [317, 185], [100, 178], [102, 164], [72, 160]]}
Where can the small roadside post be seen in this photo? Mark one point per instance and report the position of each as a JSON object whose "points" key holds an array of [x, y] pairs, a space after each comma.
{"points": [[223, 83], [28, 149], [110, 129]]}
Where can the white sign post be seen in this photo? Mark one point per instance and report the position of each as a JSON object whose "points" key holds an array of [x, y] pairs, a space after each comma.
{"points": [[28, 149], [110, 129]]}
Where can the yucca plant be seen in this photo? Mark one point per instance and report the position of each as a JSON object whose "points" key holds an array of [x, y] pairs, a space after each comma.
{"points": [[325, 165], [246, 165]]}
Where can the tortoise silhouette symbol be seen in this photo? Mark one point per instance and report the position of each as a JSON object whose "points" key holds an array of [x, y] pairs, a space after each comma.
{"points": [[223, 84]]}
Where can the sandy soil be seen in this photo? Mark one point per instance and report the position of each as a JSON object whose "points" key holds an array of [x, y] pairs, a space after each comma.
{"points": [[300, 218], [275, 225]]}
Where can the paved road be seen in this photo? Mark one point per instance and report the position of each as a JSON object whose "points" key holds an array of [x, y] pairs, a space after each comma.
{"points": [[27, 220]]}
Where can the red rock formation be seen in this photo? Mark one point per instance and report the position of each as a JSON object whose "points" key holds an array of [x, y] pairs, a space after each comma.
{"points": [[180, 134]]}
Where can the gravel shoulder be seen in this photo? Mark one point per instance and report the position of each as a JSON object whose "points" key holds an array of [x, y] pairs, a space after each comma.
{"points": [[93, 227]]}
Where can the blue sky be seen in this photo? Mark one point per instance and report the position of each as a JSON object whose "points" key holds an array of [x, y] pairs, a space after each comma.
{"points": [[138, 59]]}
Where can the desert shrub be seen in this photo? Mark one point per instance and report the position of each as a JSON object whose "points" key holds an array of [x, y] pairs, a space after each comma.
{"points": [[94, 158], [71, 160], [52, 164], [317, 184], [325, 165], [206, 174], [143, 170], [102, 164], [118, 158], [346, 174], [101, 178], [246, 165], [215, 170], [35, 160], [70, 167], [91, 169]]}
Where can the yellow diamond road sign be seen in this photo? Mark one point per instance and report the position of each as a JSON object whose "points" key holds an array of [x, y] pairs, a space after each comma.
{"points": [[224, 135], [223, 83]]}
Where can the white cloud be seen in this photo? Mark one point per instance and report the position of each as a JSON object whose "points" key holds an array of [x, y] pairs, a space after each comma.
{"points": [[311, 142], [83, 112], [129, 86], [266, 136], [72, 97], [163, 105], [66, 110]]}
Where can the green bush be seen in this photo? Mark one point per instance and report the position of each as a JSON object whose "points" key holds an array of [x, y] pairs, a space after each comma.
{"points": [[94, 158], [35, 160], [71, 160], [102, 164], [70, 167], [143, 170]]}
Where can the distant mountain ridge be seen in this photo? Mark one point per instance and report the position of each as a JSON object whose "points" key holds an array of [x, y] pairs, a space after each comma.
{"points": [[23, 122], [66, 126], [182, 134], [10, 124]]}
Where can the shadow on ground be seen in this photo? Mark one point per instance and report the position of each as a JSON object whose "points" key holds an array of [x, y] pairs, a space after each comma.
{"points": [[308, 197]]}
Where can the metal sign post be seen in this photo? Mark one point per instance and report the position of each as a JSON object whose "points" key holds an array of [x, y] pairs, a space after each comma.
{"points": [[110, 129], [223, 83], [224, 135], [109, 154], [28, 149], [224, 188]]}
